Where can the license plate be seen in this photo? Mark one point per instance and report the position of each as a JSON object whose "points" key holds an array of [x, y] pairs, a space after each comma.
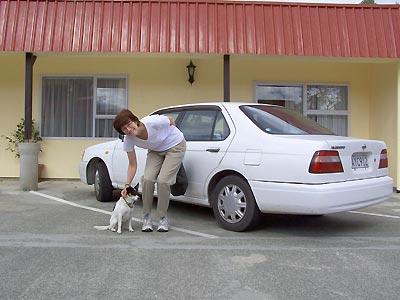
{"points": [[359, 161]]}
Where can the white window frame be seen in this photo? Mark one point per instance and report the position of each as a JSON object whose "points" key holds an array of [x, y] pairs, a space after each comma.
{"points": [[95, 115]]}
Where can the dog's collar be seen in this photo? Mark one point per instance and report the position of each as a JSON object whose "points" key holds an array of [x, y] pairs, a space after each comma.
{"points": [[130, 203]]}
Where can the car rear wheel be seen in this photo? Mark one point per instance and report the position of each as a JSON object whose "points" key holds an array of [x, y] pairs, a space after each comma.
{"points": [[234, 205], [102, 183]]}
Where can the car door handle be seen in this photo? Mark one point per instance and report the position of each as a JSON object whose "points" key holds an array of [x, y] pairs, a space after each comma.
{"points": [[213, 150]]}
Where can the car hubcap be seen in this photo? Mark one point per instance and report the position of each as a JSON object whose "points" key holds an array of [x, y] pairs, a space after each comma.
{"points": [[97, 183], [232, 204]]}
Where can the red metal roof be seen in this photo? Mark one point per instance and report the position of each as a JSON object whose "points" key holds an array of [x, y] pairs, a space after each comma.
{"points": [[224, 27]]}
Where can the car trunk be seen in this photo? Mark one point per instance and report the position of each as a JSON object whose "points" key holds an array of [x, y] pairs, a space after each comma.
{"points": [[360, 158]]}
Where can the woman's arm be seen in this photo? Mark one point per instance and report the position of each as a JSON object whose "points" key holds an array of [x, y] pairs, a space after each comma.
{"points": [[132, 166]]}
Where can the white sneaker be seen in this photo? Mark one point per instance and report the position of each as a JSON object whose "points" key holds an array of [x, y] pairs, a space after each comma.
{"points": [[147, 224], [163, 225]]}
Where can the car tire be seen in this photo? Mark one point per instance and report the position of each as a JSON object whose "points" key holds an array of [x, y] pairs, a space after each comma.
{"points": [[234, 205], [102, 183]]}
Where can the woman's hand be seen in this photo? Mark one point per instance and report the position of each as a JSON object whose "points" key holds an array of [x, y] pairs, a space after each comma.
{"points": [[124, 194], [131, 172]]}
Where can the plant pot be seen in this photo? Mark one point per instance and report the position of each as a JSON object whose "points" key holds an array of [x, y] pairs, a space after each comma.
{"points": [[28, 168]]}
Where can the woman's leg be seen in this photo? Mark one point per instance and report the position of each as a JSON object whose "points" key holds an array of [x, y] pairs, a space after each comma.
{"points": [[167, 176], [154, 162]]}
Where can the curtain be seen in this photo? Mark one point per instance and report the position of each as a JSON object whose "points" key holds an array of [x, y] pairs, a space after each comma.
{"points": [[67, 107], [335, 123]]}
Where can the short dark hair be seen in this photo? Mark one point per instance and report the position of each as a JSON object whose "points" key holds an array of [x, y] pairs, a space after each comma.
{"points": [[123, 118]]}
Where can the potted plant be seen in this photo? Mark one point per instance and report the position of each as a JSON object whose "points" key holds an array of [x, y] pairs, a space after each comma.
{"points": [[18, 136], [27, 150]]}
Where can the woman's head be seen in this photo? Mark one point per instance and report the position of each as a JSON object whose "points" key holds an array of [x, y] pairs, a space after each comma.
{"points": [[124, 118]]}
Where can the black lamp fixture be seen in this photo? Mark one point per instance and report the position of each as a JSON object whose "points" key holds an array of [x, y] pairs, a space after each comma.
{"points": [[191, 68]]}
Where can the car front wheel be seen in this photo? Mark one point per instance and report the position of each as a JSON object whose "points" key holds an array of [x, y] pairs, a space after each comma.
{"points": [[102, 183], [234, 205]]}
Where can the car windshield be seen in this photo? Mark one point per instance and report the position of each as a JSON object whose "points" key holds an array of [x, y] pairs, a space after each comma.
{"points": [[280, 120]]}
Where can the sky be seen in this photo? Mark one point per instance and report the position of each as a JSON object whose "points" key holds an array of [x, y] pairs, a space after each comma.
{"points": [[340, 1]]}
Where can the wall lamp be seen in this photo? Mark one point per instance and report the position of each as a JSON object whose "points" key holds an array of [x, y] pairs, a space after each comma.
{"points": [[191, 68]]}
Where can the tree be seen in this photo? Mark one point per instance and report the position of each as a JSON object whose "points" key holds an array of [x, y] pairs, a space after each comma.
{"points": [[368, 2]]}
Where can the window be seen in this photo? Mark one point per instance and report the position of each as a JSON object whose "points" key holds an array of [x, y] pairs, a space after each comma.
{"points": [[279, 120], [325, 104], [81, 106], [287, 96], [328, 106], [204, 125], [173, 115]]}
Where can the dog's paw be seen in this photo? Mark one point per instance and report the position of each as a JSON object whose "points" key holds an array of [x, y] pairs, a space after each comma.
{"points": [[119, 231], [131, 229], [113, 230]]}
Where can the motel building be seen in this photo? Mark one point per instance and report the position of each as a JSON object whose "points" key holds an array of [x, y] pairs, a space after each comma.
{"points": [[72, 65]]}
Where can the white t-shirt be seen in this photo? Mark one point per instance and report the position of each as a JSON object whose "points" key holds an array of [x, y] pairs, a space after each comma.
{"points": [[161, 135]]}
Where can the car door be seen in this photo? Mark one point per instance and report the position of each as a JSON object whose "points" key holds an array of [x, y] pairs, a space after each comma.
{"points": [[120, 165], [208, 136]]}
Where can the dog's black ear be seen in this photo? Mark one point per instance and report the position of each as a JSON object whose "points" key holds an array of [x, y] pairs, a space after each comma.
{"points": [[136, 187]]}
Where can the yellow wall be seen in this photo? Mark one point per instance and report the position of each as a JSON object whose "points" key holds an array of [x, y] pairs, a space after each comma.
{"points": [[383, 118], [12, 99], [160, 81]]}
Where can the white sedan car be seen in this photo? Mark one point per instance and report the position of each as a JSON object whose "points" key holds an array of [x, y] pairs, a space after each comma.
{"points": [[245, 159]]}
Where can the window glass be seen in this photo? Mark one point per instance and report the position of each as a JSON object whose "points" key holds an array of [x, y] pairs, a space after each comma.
{"points": [[173, 115], [221, 128], [198, 125], [204, 125], [111, 96], [336, 123], [286, 96], [68, 108], [329, 98], [279, 120], [328, 105], [104, 128]]}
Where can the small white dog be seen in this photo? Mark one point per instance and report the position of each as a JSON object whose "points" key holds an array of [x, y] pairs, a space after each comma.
{"points": [[122, 213]]}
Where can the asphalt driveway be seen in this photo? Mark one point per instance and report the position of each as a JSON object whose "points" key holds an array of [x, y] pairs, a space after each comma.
{"points": [[49, 250]]}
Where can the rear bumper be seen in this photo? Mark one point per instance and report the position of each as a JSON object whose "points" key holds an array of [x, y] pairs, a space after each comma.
{"points": [[321, 198]]}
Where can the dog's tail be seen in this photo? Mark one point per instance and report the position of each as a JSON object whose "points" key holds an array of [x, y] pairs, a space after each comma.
{"points": [[106, 227]]}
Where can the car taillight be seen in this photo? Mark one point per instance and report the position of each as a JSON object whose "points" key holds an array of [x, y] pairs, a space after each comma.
{"points": [[326, 161], [383, 162]]}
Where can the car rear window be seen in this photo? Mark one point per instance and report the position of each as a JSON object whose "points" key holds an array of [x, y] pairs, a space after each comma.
{"points": [[280, 120]]}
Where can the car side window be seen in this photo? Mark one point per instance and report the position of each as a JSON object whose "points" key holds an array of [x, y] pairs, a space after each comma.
{"points": [[204, 125], [221, 128], [173, 115]]}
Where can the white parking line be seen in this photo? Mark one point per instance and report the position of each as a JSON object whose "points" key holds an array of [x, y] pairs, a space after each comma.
{"points": [[109, 213], [376, 215]]}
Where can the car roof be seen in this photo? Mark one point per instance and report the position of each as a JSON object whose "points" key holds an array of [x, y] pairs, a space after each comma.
{"points": [[220, 104]]}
